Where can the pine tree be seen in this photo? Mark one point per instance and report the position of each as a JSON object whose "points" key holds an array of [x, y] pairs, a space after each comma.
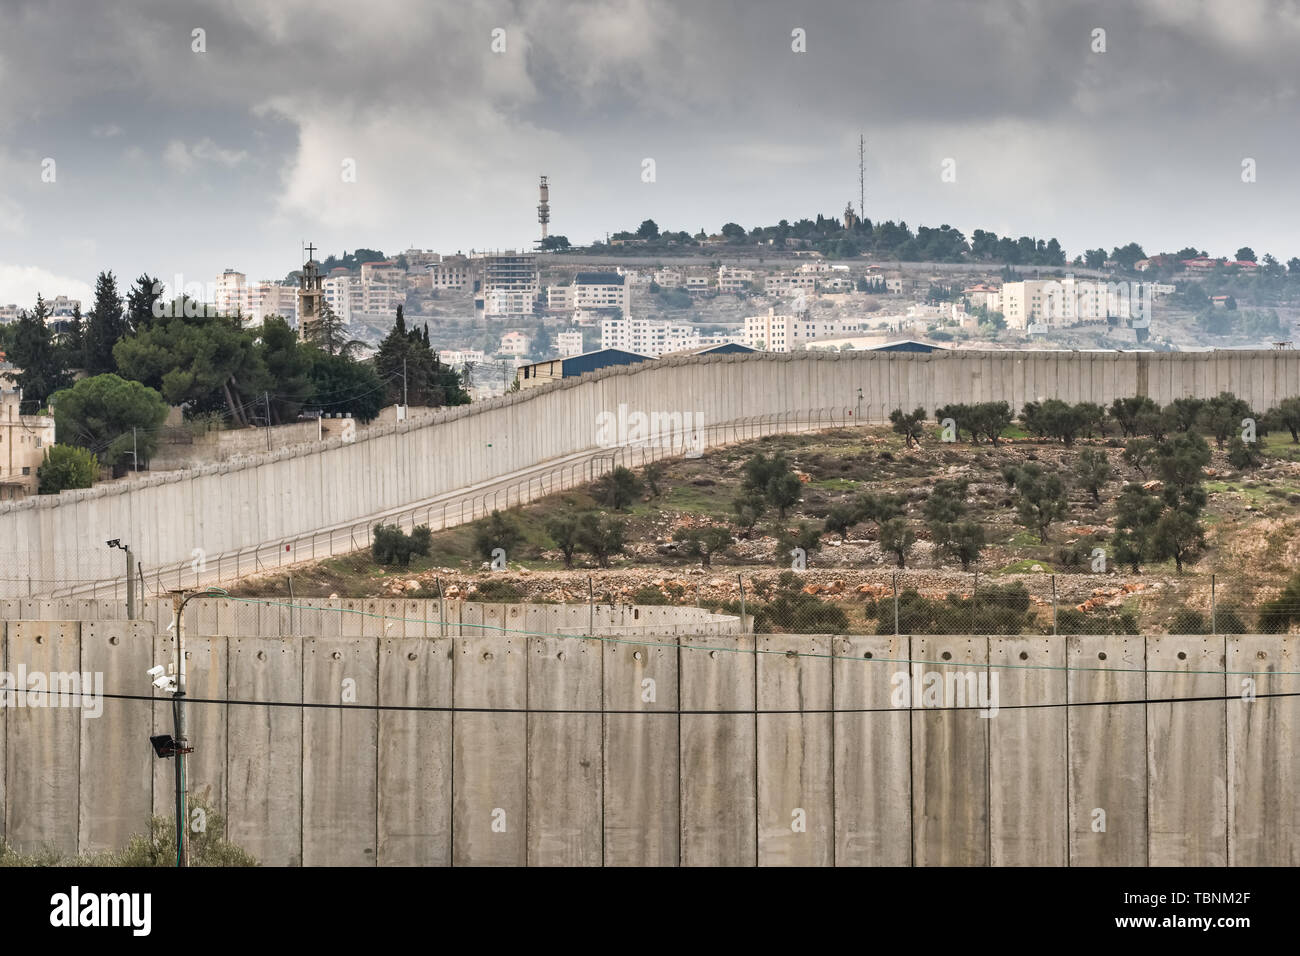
{"points": [[105, 326], [43, 372]]}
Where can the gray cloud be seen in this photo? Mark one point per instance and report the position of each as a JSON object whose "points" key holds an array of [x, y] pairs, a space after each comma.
{"points": [[175, 161]]}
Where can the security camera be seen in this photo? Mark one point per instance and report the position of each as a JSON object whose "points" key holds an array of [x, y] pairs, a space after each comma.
{"points": [[156, 671], [166, 684], [115, 543]]}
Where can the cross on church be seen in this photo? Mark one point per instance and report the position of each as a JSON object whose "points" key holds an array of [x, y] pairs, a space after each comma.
{"points": [[310, 250]]}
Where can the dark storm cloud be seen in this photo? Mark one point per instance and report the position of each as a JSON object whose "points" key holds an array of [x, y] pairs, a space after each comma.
{"points": [[173, 161]]}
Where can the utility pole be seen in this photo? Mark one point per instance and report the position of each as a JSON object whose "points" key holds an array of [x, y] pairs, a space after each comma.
{"points": [[404, 399], [135, 451], [267, 397], [179, 600]]}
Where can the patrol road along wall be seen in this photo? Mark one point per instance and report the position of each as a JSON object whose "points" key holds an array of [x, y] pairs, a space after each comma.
{"points": [[222, 509], [506, 748]]}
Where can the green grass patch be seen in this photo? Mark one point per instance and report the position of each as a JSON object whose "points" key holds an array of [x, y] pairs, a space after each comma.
{"points": [[1026, 566]]}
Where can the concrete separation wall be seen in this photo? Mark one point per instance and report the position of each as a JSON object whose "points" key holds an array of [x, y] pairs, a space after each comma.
{"points": [[510, 749], [218, 510]]}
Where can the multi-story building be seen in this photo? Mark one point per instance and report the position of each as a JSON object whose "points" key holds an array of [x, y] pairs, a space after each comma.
{"points": [[514, 343], [696, 283], [647, 336], [61, 307], [458, 358], [668, 278], [597, 291], [9, 313], [344, 293], [733, 280], [982, 295], [559, 298], [419, 260], [23, 442], [1038, 304], [788, 333], [569, 342], [790, 283], [451, 273], [508, 284], [231, 295]]}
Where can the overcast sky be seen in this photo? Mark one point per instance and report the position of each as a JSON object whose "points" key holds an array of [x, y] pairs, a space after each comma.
{"points": [[176, 162]]}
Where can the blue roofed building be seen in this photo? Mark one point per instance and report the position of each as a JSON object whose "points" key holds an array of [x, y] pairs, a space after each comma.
{"points": [[553, 370]]}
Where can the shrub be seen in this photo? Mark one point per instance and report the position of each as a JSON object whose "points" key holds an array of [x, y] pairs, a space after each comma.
{"points": [[392, 546], [66, 467], [497, 530]]}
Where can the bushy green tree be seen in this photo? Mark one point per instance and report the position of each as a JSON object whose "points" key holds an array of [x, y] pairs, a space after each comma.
{"points": [[34, 352], [497, 530], [1091, 472], [393, 546], [704, 543], [563, 530], [1040, 499], [112, 417], [66, 467], [910, 426], [617, 489], [602, 536], [342, 386]]}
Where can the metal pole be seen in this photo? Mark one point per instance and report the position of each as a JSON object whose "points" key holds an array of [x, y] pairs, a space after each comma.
{"points": [[895, 579], [130, 586], [267, 396], [591, 608], [1053, 604], [442, 610], [1214, 619], [741, 581], [135, 451], [178, 705], [404, 399]]}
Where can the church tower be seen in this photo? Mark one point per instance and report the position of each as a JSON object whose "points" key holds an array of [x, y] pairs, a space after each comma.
{"points": [[310, 295]]}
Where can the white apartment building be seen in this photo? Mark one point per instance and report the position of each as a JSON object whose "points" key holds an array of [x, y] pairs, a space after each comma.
{"points": [[594, 291], [647, 336], [61, 307], [669, 278], [514, 343], [1039, 304], [458, 358], [696, 283], [733, 280], [789, 333], [9, 313], [569, 342], [344, 294], [231, 293], [559, 298]]}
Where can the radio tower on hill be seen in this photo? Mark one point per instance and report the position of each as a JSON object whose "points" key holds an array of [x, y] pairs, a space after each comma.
{"points": [[544, 206], [862, 176]]}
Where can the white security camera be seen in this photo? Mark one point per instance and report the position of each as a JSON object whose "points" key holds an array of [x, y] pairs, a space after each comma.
{"points": [[155, 671]]}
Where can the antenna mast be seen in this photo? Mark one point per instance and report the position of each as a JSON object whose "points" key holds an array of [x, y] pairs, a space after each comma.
{"points": [[862, 176]]}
